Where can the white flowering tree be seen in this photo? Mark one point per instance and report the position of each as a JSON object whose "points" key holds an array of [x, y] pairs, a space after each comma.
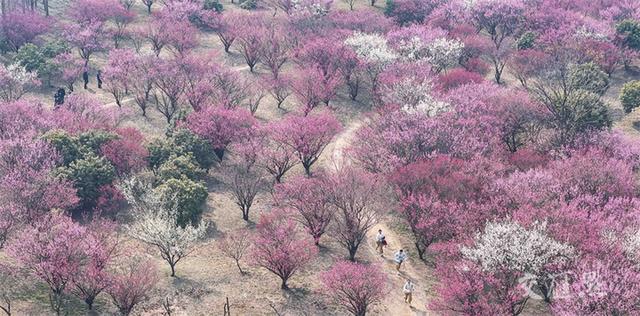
{"points": [[374, 51], [444, 53], [416, 97], [156, 225], [15, 80], [413, 49], [512, 247], [631, 244]]}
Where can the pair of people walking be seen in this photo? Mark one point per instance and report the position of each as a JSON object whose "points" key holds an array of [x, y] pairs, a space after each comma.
{"points": [[399, 257]]}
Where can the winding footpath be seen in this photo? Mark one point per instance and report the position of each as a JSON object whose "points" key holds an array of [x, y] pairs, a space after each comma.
{"points": [[413, 268]]}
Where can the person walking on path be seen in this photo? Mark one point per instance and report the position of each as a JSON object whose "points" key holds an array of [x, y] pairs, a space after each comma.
{"points": [[399, 258], [85, 78], [407, 289], [99, 79], [380, 242]]}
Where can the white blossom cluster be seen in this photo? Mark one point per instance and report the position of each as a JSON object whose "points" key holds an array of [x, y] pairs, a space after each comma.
{"points": [[416, 98], [584, 32], [159, 229], [14, 80], [412, 49], [444, 53], [511, 246], [631, 244], [372, 48]]}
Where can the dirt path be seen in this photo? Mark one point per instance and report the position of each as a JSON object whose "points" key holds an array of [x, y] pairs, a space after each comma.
{"points": [[413, 268]]}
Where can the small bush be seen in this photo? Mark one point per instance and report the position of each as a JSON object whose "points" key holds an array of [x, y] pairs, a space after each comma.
{"points": [[185, 197], [589, 77], [630, 95], [629, 31], [178, 167]]}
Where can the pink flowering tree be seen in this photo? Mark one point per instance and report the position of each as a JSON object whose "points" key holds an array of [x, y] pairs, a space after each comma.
{"points": [[221, 127], [132, 285], [309, 201], [249, 30], [85, 37], [169, 83], [117, 72], [126, 153], [601, 285], [307, 135], [53, 251], [355, 286], [70, 68], [276, 157], [101, 248], [501, 20], [279, 248], [19, 28], [275, 48], [358, 199]]}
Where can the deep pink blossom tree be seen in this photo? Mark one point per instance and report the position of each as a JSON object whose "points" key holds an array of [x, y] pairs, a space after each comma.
{"points": [[127, 153], [307, 135], [221, 127], [279, 248], [85, 37], [355, 286]]}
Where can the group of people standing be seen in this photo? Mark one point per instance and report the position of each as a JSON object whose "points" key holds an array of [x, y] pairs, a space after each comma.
{"points": [[58, 97], [399, 257]]}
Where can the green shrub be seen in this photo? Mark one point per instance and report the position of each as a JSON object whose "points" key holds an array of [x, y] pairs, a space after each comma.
{"points": [[88, 175], [526, 41], [212, 5], [73, 148], [185, 197], [629, 30], [198, 147], [588, 77], [630, 95], [249, 4], [178, 167]]}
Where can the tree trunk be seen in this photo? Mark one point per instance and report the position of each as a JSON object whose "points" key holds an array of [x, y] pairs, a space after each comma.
{"points": [[219, 153], [239, 268], [352, 253], [307, 168], [421, 250], [284, 285], [173, 269]]}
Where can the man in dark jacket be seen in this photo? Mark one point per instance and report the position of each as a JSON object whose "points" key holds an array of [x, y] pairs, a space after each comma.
{"points": [[85, 77]]}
